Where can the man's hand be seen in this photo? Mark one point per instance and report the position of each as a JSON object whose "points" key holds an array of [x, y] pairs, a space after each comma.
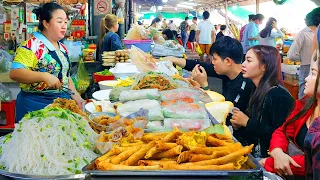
{"points": [[199, 74]]}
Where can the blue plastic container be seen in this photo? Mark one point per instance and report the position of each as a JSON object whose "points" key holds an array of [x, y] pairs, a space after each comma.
{"points": [[144, 45]]}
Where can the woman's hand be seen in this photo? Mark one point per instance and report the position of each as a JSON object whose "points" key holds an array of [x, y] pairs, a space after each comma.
{"points": [[78, 99], [263, 162], [239, 118], [282, 162], [51, 81]]}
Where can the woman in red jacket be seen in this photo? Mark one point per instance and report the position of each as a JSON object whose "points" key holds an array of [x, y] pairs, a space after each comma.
{"points": [[295, 129]]}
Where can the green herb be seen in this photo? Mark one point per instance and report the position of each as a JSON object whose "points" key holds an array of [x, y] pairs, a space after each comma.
{"points": [[8, 138], [76, 165], [63, 154], [41, 155], [41, 129], [63, 128], [84, 159], [77, 171], [63, 115], [69, 169], [2, 167], [19, 130], [106, 72], [39, 119], [48, 126], [0, 150], [70, 161]]}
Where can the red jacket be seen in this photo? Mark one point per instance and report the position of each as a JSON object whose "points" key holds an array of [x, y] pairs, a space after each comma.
{"points": [[279, 140]]}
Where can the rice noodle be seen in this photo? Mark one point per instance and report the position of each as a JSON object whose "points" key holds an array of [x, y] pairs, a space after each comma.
{"points": [[51, 141]]}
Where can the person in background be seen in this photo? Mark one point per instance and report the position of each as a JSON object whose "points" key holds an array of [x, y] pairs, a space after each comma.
{"points": [[243, 27], [226, 65], [167, 34], [192, 36], [216, 28], [251, 33], [268, 36], [42, 66], [172, 26], [160, 16], [109, 39], [205, 35], [222, 31], [270, 103], [301, 48], [154, 33], [164, 24], [184, 26], [177, 36]]}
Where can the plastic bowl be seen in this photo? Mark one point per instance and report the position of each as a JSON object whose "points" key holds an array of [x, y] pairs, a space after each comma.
{"points": [[101, 95], [108, 84], [99, 127]]}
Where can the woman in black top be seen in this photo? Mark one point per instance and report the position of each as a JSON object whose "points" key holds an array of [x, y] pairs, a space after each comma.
{"points": [[270, 103], [222, 31]]}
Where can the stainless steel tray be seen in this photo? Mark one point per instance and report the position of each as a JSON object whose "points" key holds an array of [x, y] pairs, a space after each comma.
{"points": [[24, 176], [255, 172]]}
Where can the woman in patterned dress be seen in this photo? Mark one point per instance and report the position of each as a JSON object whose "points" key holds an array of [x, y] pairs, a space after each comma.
{"points": [[41, 65]]}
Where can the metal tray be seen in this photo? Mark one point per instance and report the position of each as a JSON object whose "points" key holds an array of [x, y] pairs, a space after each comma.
{"points": [[17, 176], [255, 172]]}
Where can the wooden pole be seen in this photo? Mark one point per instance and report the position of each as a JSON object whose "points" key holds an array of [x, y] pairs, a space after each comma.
{"points": [[226, 9], [257, 6]]}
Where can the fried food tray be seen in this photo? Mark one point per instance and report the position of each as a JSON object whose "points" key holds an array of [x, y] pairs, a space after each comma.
{"points": [[253, 172]]}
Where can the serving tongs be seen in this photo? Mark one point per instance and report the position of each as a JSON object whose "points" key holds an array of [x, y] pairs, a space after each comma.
{"points": [[67, 90]]}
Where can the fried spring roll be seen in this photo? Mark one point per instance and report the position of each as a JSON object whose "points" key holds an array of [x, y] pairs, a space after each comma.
{"points": [[134, 158], [172, 136], [228, 166], [232, 157], [154, 162], [184, 157], [210, 150], [216, 142], [152, 136], [112, 167], [169, 153], [152, 152], [165, 146], [131, 144], [111, 152], [239, 162], [221, 137], [203, 157], [124, 155]]}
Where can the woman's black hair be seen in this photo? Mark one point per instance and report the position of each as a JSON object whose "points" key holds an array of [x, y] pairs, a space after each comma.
{"points": [[269, 57], [223, 27], [267, 30], [45, 13], [155, 20], [169, 34]]}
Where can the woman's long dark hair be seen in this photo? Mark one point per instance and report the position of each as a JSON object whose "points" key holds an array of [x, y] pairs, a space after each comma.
{"points": [[154, 21], [169, 34], [267, 30], [310, 103], [270, 58]]}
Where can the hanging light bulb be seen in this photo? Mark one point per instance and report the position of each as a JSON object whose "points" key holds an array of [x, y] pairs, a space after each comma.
{"points": [[160, 8], [176, 8], [164, 1]]}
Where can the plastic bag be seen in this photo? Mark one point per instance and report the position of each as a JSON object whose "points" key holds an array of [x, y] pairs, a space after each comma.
{"points": [[179, 93], [5, 93], [155, 126], [120, 16], [142, 60], [167, 50], [5, 61], [182, 110], [134, 106], [187, 124], [132, 95], [83, 79], [139, 120], [137, 32], [198, 49]]}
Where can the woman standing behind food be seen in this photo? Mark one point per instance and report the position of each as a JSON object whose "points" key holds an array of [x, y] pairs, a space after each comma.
{"points": [[154, 33], [41, 65], [268, 36], [270, 103]]}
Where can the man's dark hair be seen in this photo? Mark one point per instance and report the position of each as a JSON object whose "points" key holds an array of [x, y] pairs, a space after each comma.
{"points": [[187, 18], [251, 16], [228, 47], [223, 27], [313, 17], [206, 15], [258, 16], [195, 18]]}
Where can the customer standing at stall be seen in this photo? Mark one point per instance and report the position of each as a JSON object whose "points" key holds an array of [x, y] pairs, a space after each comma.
{"points": [[268, 36], [192, 36], [41, 65], [184, 26], [270, 103], [251, 33], [301, 48], [206, 35], [109, 39]]}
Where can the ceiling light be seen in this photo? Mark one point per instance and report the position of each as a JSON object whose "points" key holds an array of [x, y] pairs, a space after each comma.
{"points": [[190, 3], [160, 8], [176, 8], [164, 1], [184, 6], [139, 6]]}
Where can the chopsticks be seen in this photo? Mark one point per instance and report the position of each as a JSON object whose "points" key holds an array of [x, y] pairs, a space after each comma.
{"points": [[67, 90]]}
